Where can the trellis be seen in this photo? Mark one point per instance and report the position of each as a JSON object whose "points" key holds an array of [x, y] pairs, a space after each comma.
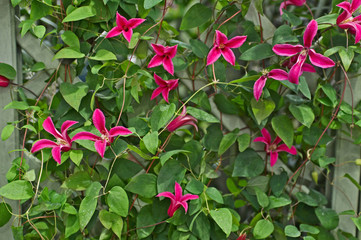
{"points": [[345, 195]]}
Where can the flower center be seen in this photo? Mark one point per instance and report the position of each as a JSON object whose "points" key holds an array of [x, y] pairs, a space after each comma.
{"points": [[304, 52], [221, 46], [265, 72], [350, 19], [106, 138], [61, 142], [272, 147]]}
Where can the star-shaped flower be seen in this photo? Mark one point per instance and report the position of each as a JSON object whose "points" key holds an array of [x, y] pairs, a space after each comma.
{"points": [[222, 46], [272, 148], [106, 138], [346, 21], [124, 27], [4, 82], [178, 199], [182, 120], [164, 87], [163, 55], [277, 74], [303, 51], [63, 143], [284, 4]]}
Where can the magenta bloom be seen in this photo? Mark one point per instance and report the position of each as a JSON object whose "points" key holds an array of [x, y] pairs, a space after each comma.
{"points": [[303, 51], [163, 55], [164, 87], [177, 200], [284, 4], [277, 74], [124, 27], [106, 138], [292, 61], [272, 148], [222, 46], [63, 143], [346, 21], [4, 82], [182, 120]]}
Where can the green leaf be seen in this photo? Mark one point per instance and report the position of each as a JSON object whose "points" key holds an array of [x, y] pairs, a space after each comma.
{"points": [[151, 142], [30, 127], [303, 114], [37, 67], [5, 215], [17, 190], [214, 194], [118, 201], [248, 164], [39, 10], [346, 57], [202, 115], [328, 218], [71, 225], [243, 142], [71, 40], [104, 55], [262, 198], [259, 6], [225, 105], [39, 31], [145, 218], [278, 182], [69, 209], [356, 221], [330, 93], [69, 53], [284, 34], [76, 156], [213, 137], [196, 16], [275, 202], [292, 231], [263, 229], [29, 175], [327, 20], [309, 229], [79, 181], [111, 221], [291, 18], [199, 48], [262, 109], [258, 52], [194, 186], [171, 172], [17, 105], [167, 155], [7, 71], [74, 93], [80, 13], [303, 87], [227, 141], [144, 185], [139, 152], [86, 210], [223, 218], [7, 131], [161, 115], [283, 127], [151, 3]]}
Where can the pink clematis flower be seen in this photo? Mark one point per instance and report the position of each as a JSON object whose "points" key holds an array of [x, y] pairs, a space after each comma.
{"points": [[346, 21], [272, 148], [124, 27], [4, 82], [106, 138], [63, 143], [242, 236], [182, 120], [303, 51], [177, 200], [286, 3], [222, 46], [292, 61], [163, 55], [277, 74], [164, 87]]}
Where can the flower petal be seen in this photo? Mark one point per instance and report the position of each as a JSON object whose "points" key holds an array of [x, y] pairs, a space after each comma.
{"points": [[166, 194], [258, 87], [115, 31], [99, 121], [355, 4], [156, 92], [284, 148], [287, 49], [4, 82], [168, 65], [56, 154], [100, 146], [274, 157], [171, 51], [159, 81], [308, 68], [128, 34], [221, 38], [296, 70], [67, 124], [236, 42], [188, 196], [310, 33], [158, 49], [85, 136], [43, 143], [228, 55], [185, 206], [278, 74], [121, 21], [319, 60], [213, 55], [155, 61], [178, 191], [48, 125], [135, 22], [119, 130], [266, 135], [173, 83], [342, 17], [165, 94], [261, 139]]}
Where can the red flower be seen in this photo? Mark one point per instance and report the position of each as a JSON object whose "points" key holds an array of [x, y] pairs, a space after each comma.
{"points": [[284, 4], [164, 87], [222, 46], [303, 51], [163, 55], [182, 120], [106, 138], [63, 143], [177, 200], [272, 148], [242, 237], [124, 27], [4, 82], [346, 21], [277, 74]]}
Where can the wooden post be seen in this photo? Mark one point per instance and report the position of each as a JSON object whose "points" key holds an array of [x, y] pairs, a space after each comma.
{"points": [[8, 54], [345, 195]]}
